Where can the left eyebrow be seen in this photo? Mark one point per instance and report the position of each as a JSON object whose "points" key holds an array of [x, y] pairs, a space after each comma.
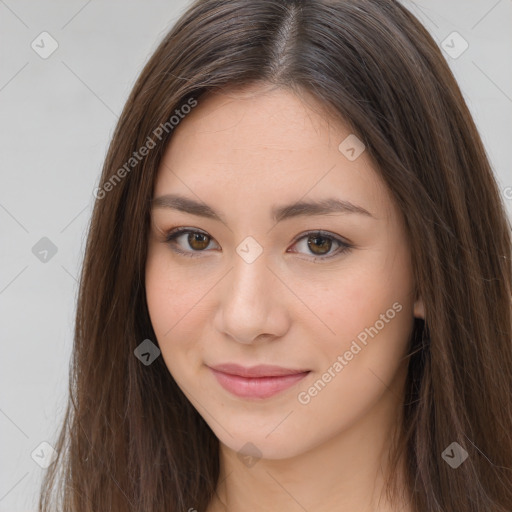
{"points": [[279, 213], [322, 207]]}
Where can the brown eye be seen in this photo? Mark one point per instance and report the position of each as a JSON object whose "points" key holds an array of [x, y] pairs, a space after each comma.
{"points": [[198, 241], [188, 242], [319, 245], [322, 245]]}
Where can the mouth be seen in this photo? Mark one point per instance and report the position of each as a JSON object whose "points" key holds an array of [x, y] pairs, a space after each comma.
{"points": [[259, 382]]}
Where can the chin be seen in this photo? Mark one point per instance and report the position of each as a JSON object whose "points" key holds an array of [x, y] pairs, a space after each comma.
{"points": [[255, 444]]}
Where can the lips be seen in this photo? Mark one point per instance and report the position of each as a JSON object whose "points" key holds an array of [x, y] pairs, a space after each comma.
{"points": [[262, 381], [261, 370]]}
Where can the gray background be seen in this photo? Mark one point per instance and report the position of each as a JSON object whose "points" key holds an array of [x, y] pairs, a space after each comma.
{"points": [[57, 117]]}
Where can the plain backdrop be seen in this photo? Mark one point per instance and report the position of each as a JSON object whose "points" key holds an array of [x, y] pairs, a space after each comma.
{"points": [[57, 117]]}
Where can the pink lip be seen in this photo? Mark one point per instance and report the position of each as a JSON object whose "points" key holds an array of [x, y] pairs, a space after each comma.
{"points": [[262, 381]]}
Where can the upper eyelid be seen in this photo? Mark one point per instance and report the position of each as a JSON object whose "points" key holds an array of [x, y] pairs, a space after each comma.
{"points": [[179, 231], [322, 232]]}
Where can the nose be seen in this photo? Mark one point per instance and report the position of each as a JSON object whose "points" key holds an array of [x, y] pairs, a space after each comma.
{"points": [[251, 304]]}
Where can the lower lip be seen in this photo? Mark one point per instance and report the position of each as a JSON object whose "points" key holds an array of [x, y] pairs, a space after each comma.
{"points": [[256, 387]]}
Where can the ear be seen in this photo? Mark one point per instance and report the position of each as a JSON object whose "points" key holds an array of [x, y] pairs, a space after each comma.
{"points": [[419, 308]]}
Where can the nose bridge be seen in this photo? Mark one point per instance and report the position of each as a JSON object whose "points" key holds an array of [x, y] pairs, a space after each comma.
{"points": [[249, 305], [248, 283]]}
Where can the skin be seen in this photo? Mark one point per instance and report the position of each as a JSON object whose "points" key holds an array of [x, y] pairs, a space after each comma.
{"points": [[242, 152]]}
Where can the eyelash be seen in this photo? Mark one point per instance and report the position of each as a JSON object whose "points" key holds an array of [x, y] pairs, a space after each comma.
{"points": [[173, 234]]}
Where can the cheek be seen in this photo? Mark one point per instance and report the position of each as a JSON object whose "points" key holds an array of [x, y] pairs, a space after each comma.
{"points": [[370, 311], [172, 293], [173, 300], [357, 300], [360, 362]]}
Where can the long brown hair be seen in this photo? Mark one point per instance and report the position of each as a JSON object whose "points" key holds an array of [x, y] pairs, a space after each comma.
{"points": [[131, 440]]}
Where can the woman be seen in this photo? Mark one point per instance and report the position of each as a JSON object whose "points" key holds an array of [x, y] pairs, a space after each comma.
{"points": [[296, 288]]}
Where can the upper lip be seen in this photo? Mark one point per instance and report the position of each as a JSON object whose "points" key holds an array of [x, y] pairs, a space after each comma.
{"points": [[261, 370]]}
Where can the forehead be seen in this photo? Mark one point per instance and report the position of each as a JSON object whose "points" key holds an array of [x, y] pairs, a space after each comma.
{"points": [[257, 145]]}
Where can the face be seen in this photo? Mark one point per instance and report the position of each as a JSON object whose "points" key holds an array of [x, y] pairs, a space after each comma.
{"points": [[324, 293]]}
